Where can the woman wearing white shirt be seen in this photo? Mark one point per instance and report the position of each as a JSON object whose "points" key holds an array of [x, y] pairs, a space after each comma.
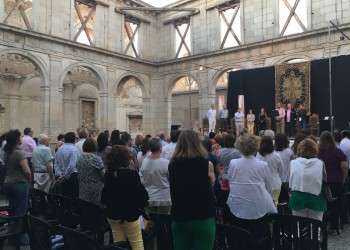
{"points": [[275, 165], [250, 187], [286, 154]]}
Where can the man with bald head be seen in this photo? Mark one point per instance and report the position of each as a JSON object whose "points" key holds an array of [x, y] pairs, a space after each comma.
{"points": [[42, 164]]}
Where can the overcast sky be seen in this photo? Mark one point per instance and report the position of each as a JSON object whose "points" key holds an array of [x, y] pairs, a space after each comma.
{"points": [[159, 3]]}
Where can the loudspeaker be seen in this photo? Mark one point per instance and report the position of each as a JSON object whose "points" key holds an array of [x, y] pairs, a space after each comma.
{"points": [[175, 127], [325, 125]]}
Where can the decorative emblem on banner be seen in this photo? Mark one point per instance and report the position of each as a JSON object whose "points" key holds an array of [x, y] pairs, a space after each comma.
{"points": [[292, 84]]}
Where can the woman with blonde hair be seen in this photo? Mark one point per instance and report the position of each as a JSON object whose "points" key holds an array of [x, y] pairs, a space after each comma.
{"points": [[192, 178], [307, 182]]}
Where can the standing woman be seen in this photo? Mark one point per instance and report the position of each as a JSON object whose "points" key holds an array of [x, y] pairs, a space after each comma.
{"points": [[250, 188], [274, 163], [16, 185], [124, 196], [192, 178], [307, 182], [91, 172], [286, 154], [102, 147], [262, 119], [336, 168]]}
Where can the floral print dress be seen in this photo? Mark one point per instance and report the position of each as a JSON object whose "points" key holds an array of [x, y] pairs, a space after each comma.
{"points": [[90, 182]]}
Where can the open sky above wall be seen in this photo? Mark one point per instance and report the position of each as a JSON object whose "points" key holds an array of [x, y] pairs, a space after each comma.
{"points": [[159, 3]]}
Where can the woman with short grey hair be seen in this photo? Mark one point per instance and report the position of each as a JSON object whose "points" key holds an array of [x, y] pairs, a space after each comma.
{"points": [[249, 200], [155, 177]]}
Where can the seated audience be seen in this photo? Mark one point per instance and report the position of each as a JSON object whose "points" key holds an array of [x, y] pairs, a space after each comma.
{"points": [[124, 196], [192, 178], [91, 172], [307, 182], [155, 177], [274, 163], [250, 187]]}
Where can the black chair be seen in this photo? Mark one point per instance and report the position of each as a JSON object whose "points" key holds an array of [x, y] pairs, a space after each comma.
{"points": [[40, 204], [294, 232], [93, 220], [164, 230], [11, 227], [75, 240], [62, 209], [40, 233], [233, 238]]}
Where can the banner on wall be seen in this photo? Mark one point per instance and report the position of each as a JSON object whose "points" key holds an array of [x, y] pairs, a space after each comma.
{"points": [[292, 84]]}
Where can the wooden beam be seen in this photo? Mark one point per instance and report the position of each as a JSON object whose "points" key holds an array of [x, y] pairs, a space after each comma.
{"points": [[154, 9], [172, 20], [128, 14], [84, 23]]}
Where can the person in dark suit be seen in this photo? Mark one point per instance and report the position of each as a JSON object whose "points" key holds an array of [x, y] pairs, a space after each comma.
{"points": [[290, 120], [302, 116]]}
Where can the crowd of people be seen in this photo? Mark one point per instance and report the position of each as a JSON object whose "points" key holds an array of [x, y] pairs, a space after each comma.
{"points": [[188, 176]]}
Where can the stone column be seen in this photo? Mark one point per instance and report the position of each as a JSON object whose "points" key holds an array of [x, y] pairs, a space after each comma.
{"points": [[103, 112], [205, 97], [45, 107], [53, 103], [159, 116], [111, 101], [146, 121]]}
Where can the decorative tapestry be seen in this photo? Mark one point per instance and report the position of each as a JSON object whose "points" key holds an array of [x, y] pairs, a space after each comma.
{"points": [[292, 84]]}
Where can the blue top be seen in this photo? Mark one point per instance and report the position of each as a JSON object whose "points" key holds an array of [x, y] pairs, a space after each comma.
{"points": [[41, 156], [66, 160], [223, 113]]}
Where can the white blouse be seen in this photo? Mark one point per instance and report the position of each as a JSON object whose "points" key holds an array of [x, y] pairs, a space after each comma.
{"points": [[275, 166], [250, 188], [285, 155]]}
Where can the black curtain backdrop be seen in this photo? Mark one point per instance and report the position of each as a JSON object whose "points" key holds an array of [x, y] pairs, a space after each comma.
{"points": [[258, 88]]}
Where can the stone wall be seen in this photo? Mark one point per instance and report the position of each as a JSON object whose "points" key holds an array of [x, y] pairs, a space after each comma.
{"points": [[48, 105]]}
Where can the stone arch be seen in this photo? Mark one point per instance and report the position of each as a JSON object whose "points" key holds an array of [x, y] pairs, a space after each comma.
{"points": [[289, 57], [94, 69], [173, 81], [36, 61], [140, 80], [217, 74]]}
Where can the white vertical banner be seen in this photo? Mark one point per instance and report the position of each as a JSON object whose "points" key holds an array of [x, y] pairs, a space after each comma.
{"points": [[241, 103]]}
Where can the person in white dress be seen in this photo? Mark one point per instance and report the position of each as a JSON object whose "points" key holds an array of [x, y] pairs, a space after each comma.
{"points": [[211, 115]]}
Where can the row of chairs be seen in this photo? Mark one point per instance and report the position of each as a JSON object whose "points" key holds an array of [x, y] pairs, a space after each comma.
{"points": [[288, 232]]}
